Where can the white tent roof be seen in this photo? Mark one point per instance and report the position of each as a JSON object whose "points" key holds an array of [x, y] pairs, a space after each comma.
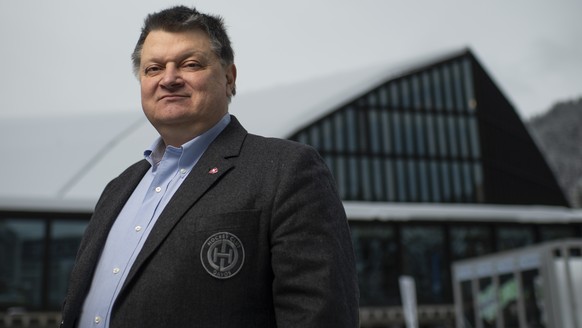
{"points": [[63, 163], [282, 110]]}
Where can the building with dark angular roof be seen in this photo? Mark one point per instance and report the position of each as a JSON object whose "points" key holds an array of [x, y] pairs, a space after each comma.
{"points": [[431, 160], [438, 133], [439, 136]]}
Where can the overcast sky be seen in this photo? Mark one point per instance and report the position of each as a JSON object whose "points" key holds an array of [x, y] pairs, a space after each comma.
{"points": [[74, 56]]}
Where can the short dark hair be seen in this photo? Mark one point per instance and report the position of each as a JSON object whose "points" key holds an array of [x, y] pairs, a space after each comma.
{"points": [[180, 19]]}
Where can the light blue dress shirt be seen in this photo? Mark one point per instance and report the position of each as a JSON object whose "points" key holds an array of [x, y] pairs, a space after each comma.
{"points": [[170, 166]]}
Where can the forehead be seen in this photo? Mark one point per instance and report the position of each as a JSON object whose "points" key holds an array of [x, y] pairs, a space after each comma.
{"points": [[163, 43]]}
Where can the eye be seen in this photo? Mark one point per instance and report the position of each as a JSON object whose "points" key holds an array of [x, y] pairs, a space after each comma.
{"points": [[152, 70], [191, 66]]}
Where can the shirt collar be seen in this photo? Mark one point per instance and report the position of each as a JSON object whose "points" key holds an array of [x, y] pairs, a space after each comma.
{"points": [[191, 151]]}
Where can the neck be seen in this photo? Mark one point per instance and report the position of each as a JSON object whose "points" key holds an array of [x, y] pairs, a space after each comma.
{"points": [[176, 136]]}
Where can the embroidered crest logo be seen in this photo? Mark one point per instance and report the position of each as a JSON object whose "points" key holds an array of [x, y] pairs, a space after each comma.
{"points": [[222, 255]]}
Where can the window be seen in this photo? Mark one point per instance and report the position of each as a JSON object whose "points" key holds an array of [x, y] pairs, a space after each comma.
{"points": [[65, 238], [339, 132], [377, 179], [469, 187], [352, 130], [448, 92], [468, 84], [376, 253], [396, 126], [412, 183], [438, 91], [365, 179], [385, 130], [394, 98], [404, 88], [441, 134], [446, 182], [509, 237], [314, 136], [303, 138], [426, 91], [554, 232], [355, 180], [22, 252], [383, 95], [401, 180], [374, 123], [390, 180], [342, 177], [430, 121], [453, 141], [371, 100], [37, 255], [470, 241], [327, 135], [424, 182], [420, 134], [434, 181], [457, 186], [409, 133], [330, 162], [423, 258], [460, 102], [416, 95]]}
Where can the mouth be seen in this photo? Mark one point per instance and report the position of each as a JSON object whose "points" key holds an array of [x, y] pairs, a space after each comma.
{"points": [[172, 97]]}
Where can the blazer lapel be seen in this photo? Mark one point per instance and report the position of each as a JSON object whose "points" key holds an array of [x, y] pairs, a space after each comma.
{"points": [[107, 209], [113, 199], [216, 161]]}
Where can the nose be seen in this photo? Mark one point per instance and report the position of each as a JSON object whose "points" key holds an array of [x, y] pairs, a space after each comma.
{"points": [[172, 78]]}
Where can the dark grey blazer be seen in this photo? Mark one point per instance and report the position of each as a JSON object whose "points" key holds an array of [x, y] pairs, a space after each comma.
{"points": [[256, 236]]}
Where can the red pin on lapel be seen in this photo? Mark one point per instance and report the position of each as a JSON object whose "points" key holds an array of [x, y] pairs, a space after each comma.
{"points": [[213, 170]]}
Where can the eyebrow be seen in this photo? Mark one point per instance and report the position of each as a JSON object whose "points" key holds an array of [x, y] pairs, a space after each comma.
{"points": [[180, 57]]}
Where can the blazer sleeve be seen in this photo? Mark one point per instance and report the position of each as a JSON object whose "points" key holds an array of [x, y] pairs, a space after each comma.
{"points": [[315, 283]]}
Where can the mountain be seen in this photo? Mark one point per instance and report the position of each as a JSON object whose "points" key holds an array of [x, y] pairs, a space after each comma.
{"points": [[558, 133]]}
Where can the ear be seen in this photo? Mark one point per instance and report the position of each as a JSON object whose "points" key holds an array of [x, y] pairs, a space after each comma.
{"points": [[231, 80]]}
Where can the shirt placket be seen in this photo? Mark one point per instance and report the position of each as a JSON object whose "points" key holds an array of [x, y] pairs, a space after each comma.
{"points": [[165, 171]]}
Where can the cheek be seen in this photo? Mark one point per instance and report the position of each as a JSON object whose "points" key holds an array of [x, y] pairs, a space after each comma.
{"points": [[147, 90], [147, 98]]}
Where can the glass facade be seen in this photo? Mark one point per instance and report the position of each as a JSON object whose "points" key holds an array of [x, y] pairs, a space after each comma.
{"points": [[37, 256], [418, 138], [423, 257], [377, 251], [425, 250], [412, 139]]}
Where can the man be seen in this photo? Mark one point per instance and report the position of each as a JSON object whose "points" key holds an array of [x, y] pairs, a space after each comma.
{"points": [[215, 227]]}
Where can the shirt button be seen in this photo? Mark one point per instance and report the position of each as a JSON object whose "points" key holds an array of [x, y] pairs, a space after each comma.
{"points": [[182, 171], [97, 319], [115, 270], [158, 189], [138, 228]]}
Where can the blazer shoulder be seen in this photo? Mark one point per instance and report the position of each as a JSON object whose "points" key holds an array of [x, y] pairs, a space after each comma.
{"points": [[138, 167], [277, 144], [129, 177]]}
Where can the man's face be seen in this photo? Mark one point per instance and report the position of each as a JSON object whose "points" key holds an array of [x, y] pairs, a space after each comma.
{"points": [[184, 88]]}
